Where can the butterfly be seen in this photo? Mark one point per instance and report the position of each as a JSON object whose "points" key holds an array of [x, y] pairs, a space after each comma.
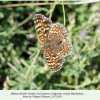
{"points": [[52, 37]]}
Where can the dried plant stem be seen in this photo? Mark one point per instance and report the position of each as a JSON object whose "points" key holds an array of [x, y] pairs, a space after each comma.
{"points": [[51, 3]]}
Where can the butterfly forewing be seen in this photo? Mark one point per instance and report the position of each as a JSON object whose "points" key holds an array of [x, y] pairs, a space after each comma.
{"points": [[42, 26]]}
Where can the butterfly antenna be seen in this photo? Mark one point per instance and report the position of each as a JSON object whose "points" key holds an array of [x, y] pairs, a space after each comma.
{"points": [[31, 43]]}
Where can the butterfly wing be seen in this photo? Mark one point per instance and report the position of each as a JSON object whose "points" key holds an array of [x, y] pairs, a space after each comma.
{"points": [[57, 40], [57, 33], [42, 26], [54, 61]]}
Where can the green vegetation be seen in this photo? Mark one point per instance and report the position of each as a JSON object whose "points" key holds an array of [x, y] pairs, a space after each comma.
{"points": [[22, 65]]}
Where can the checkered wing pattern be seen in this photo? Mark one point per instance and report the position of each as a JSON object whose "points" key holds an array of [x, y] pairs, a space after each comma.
{"points": [[42, 26], [53, 38]]}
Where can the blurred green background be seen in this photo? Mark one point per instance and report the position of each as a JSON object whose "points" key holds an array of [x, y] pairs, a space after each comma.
{"points": [[22, 66]]}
